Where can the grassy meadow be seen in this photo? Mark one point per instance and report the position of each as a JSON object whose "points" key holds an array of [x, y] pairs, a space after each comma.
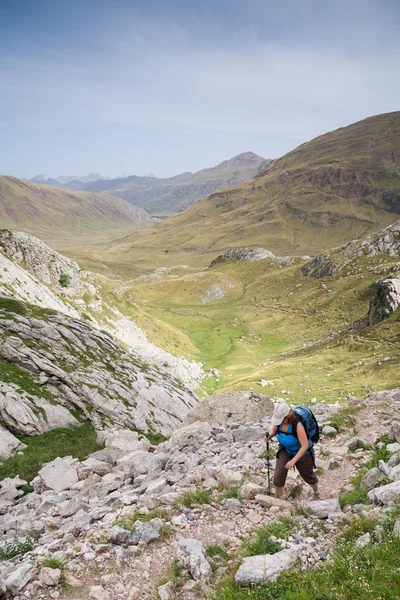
{"points": [[305, 336]]}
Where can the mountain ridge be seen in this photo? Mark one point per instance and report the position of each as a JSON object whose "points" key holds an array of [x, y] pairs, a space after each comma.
{"points": [[339, 186], [171, 195], [61, 217]]}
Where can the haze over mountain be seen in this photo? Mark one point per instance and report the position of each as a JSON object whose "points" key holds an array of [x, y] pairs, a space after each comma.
{"points": [[339, 186], [63, 217], [168, 196]]}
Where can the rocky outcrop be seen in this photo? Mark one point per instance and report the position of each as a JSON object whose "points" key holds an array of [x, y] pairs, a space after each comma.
{"points": [[61, 364], [339, 260], [244, 254], [32, 272], [386, 300], [46, 264], [232, 407]]}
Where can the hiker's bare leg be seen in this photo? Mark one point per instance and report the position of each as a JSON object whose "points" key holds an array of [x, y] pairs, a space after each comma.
{"points": [[279, 491], [315, 487]]}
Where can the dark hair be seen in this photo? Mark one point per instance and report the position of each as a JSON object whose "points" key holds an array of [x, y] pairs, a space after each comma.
{"points": [[291, 417]]}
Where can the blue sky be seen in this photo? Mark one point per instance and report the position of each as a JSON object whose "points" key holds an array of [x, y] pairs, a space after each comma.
{"points": [[129, 87]]}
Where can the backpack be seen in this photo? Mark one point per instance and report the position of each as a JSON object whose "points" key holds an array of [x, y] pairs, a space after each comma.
{"points": [[306, 417]]}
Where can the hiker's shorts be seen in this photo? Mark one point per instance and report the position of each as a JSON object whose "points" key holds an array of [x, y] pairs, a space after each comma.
{"points": [[305, 467]]}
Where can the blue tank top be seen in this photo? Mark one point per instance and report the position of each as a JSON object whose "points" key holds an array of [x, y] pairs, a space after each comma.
{"points": [[289, 441]]}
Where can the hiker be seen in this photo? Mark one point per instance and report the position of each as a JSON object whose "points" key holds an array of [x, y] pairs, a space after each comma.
{"points": [[294, 450]]}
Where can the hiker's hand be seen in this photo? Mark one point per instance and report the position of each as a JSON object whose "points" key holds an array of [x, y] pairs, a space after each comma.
{"points": [[266, 438], [290, 464]]}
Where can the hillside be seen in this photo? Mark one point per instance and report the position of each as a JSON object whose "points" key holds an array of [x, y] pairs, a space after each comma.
{"points": [[339, 186], [172, 195], [295, 326], [65, 218]]}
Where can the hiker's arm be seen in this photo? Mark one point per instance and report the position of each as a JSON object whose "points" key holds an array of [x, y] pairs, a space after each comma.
{"points": [[271, 434], [303, 439]]}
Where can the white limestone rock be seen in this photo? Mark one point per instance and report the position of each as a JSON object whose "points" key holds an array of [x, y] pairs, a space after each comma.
{"points": [[9, 444], [263, 568], [191, 435], [323, 508], [191, 555], [385, 494], [59, 475]]}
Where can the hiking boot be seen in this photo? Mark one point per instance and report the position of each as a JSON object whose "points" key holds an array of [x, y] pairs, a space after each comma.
{"points": [[317, 496]]}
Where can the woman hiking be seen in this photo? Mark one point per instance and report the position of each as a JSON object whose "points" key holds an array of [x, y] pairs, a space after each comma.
{"points": [[295, 449]]}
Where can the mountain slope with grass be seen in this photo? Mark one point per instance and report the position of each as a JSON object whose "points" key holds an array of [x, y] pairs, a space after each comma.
{"points": [[339, 186], [64, 218], [172, 195], [272, 324]]}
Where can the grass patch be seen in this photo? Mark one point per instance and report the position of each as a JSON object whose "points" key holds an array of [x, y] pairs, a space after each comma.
{"points": [[260, 541], [217, 550], [296, 491], [368, 573], [12, 373], [345, 418], [129, 521], [190, 499], [53, 563], [77, 441]]}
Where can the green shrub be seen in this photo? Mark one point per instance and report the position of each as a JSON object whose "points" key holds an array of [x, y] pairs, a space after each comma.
{"points": [[14, 547], [190, 499], [65, 280]]}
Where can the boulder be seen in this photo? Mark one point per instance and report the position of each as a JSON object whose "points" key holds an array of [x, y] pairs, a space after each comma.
{"points": [[372, 478], [260, 569], [363, 541], [18, 579], [230, 478], [323, 508], [355, 443], [166, 591], [9, 444], [233, 407], [250, 490], [140, 463], [191, 435], [123, 439], [395, 447], [247, 434], [268, 501], [191, 556], [385, 494], [386, 300], [118, 535], [59, 475], [394, 434], [49, 577], [329, 430], [233, 505], [146, 532], [394, 473], [99, 593]]}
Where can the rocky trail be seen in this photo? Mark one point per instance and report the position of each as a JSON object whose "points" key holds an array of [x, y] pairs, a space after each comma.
{"points": [[116, 525]]}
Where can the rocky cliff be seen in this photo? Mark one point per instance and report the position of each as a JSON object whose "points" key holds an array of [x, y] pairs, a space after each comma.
{"points": [[58, 371], [60, 360]]}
